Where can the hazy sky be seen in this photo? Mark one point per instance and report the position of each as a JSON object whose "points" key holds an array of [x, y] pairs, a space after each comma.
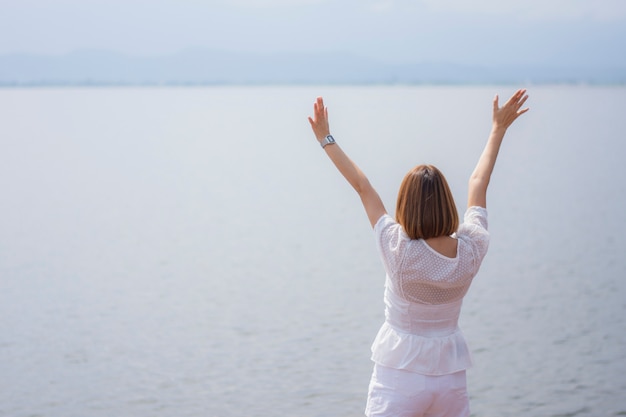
{"points": [[550, 32]]}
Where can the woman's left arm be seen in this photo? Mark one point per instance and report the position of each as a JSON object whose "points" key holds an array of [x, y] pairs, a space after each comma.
{"points": [[369, 197]]}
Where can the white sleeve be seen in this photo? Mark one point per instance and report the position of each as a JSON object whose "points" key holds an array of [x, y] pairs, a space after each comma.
{"points": [[474, 231], [389, 241]]}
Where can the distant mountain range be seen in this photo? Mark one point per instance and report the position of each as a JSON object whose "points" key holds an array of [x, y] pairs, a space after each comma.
{"points": [[199, 67]]}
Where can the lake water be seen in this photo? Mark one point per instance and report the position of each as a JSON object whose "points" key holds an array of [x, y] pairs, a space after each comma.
{"points": [[192, 252]]}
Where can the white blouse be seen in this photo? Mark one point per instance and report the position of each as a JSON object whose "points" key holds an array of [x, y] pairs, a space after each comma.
{"points": [[423, 296]]}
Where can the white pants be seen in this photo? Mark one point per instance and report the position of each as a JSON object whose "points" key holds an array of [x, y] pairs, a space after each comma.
{"points": [[400, 393]]}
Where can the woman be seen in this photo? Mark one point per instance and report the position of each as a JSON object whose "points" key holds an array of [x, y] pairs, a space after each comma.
{"points": [[420, 355]]}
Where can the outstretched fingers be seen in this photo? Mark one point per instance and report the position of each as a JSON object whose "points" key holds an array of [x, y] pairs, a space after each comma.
{"points": [[515, 98], [319, 110], [319, 121], [320, 102], [511, 110], [319, 106], [516, 101], [521, 103]]}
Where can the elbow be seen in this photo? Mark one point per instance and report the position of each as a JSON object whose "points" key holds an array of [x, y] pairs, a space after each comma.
{"points": [[478, 181], [477, 191], [362, 186]]}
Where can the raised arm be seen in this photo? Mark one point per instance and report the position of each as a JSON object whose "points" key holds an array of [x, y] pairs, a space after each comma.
{"points": [[369, 197], [503, 117]]}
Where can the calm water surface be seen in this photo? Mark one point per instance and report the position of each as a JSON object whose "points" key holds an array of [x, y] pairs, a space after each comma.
{"points": [[192, 252]]}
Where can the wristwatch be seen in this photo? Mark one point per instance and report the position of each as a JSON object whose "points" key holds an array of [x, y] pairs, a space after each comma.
{"points": [[328, 140]]}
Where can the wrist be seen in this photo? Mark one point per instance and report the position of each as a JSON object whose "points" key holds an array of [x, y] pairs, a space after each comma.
{"points": [[321, 136], [498, 128]]}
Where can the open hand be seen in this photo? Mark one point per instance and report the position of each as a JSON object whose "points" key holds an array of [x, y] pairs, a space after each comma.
{"points": [[504, 116], [319, 122]]}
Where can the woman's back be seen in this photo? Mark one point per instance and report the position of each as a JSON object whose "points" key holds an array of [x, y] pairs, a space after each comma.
{"points": [[420, 273]]}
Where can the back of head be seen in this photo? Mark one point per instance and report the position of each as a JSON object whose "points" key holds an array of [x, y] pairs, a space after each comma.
{"points": [[425, 206]]}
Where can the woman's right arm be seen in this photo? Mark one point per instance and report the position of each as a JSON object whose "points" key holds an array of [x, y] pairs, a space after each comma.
{"points": [[372, 203], [503, 117]]}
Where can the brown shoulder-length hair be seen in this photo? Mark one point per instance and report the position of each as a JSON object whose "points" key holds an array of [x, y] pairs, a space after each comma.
{"points": [[425, 206]]}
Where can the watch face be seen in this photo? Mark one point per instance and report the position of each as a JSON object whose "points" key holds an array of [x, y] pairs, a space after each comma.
{"points": [[328, 140]]}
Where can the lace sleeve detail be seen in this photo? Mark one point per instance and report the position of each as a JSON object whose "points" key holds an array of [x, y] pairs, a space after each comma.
{"points": [[474, 232], [389, 239]]}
